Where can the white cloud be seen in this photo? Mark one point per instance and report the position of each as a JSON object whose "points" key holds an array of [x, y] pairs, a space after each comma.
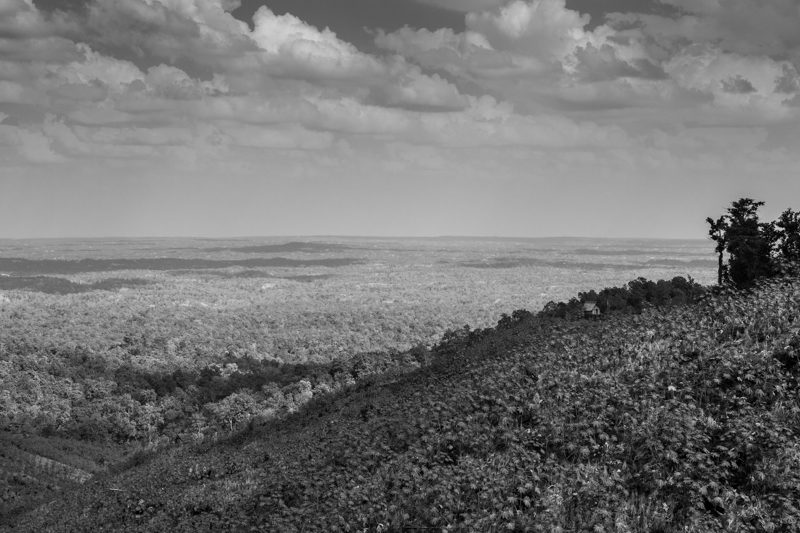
{"points": [[739, 26], [300, 49], [30, 145], [20, 18], [544, 29], [521, 38], [170, 82], [12, 92], [540, 55], [93, 67], [409, 87], [527, 92], [275, 72], [491, 124], [230, 5], [195, 32], [732, 80]]}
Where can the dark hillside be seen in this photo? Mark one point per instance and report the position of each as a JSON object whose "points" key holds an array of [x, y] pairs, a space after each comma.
{"points": [[683, 419]]}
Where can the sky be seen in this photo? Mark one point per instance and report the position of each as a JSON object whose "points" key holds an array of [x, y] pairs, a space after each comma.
{"points": [[598, 118]]}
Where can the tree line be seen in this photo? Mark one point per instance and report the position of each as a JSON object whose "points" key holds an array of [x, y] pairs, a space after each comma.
{"points": [[754, 249], [747, 250]]}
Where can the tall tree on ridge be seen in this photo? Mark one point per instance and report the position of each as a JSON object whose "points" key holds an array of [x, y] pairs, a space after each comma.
{"points": [[788, 235], [717, 231], [747, 243]]}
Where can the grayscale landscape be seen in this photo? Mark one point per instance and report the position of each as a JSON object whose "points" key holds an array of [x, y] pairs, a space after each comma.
{"points": [[399, 265], [298, 301]]}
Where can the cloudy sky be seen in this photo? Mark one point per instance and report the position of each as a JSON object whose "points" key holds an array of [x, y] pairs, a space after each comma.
{"points": [[394, 117]]}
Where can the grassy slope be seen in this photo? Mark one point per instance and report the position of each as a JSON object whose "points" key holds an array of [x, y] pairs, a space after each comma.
{"points": [[686, 418], [35, 469]]}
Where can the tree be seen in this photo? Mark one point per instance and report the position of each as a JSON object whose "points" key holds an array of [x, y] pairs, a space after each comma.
{"points": [[747, 243], [787, 240], [755, 249], [718, 231]]}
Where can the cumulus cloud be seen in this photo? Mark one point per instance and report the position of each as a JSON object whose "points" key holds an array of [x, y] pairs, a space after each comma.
{"points": [[731, 79], [121, 78], [231, 5], [461, 54], [28, 144], [528, 82], [545, 29], [410, 88], [738, 85], [739, 26], [539, 54], [21, 18], [530, 38], [293, 44], [93, 67], [603, 63], [520, 38], [171, 82], [196, 33], [724, 48], [490, 124], [789, 80]]}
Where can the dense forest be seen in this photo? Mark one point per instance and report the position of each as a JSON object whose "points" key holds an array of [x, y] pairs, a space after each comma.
{"points": [[678, 409], [679, 418]]}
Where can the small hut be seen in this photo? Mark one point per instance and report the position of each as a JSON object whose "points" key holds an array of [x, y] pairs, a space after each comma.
{"points": [[590, 310]]}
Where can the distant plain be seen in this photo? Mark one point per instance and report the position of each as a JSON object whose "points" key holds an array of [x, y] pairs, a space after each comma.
{"points": [[306, 299]]}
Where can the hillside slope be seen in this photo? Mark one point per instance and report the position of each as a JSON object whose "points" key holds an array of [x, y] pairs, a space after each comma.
{"points": [[687, 418]]}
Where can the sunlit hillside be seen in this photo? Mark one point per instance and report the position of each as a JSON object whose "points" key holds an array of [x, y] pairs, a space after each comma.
{"points": [[677, 419], [111, 347]]}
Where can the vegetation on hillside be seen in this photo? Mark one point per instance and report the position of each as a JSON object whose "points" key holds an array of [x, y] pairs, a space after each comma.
{"points": [[675, 419], [539, 423], [637, 295], [146, 359]]}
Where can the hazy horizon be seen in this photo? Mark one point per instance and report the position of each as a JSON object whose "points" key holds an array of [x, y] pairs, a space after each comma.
{"points": [[375, 237]]}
